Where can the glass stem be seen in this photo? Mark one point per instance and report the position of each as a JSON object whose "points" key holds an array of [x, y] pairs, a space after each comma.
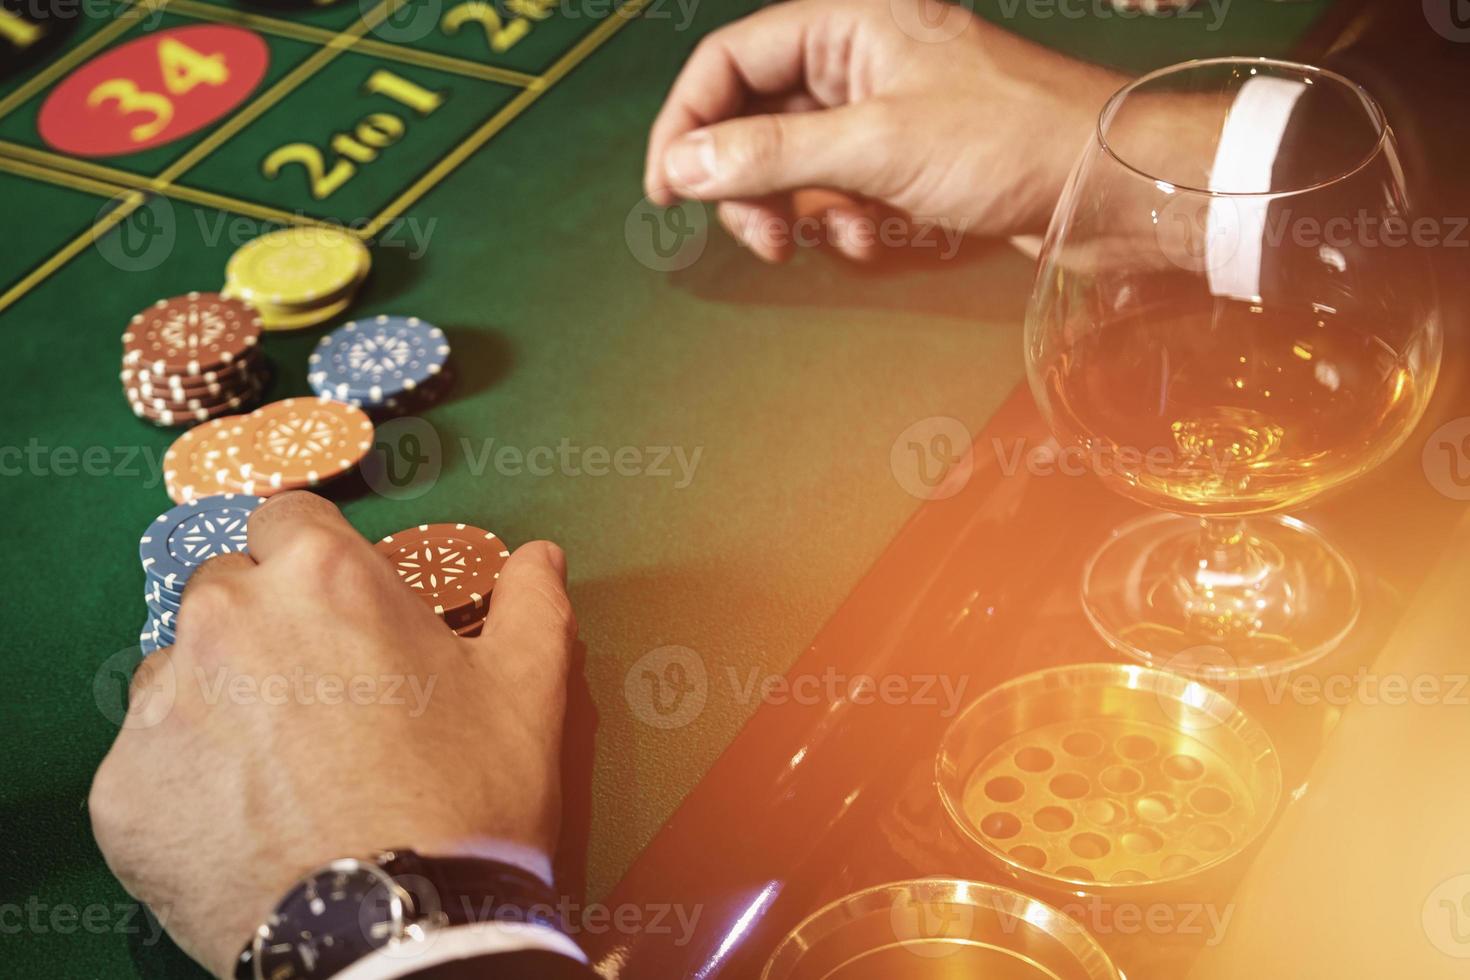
{"points": [[1225, 586], [1224, 546]]}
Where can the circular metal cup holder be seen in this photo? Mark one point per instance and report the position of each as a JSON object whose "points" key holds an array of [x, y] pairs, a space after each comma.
{"points": [[938, 929], [1096, 779]]}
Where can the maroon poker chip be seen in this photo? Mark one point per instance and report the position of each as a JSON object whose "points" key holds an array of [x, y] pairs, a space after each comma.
{"points": [[451, 567], [191, 335]]}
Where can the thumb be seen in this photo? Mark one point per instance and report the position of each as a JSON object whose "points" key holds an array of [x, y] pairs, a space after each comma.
{"points": [[757, 155], [530, 614]]}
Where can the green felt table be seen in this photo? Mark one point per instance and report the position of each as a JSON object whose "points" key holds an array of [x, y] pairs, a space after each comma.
{"points": [[510, 217]]}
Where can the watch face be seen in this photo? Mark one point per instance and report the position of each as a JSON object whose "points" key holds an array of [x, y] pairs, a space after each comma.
{"points": [[329, 921]]}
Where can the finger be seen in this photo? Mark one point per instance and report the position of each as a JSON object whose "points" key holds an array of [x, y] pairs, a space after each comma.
{"points": [[147, 676], [228, 564], [530, 613], [762, 225], [767, 154], [761, 56], [291, 517], [846, 223], [853, 231], [789, 102]]}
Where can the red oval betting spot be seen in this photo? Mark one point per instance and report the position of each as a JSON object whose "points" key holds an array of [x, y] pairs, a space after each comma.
{"points": [[154, 90]]}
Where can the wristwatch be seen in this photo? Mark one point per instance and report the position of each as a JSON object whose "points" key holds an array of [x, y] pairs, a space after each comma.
{"points": [[340, 912]]}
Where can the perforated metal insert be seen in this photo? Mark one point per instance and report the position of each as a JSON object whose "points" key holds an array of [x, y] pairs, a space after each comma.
{"points": [[1109, 800]]}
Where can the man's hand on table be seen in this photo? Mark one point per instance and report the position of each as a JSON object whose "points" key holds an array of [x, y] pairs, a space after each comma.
{"points": [[210, 805], [845, 108]]}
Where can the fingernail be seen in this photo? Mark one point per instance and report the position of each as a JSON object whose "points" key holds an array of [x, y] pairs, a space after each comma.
{"points": [[557, 558], [691, 161]]}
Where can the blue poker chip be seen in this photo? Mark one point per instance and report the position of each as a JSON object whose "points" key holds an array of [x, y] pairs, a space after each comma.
{"points": [[162, 635], [372, 361], [164, 631], [158, 597], [148, 638], [182, 539], [153, 589], [167, 618]]}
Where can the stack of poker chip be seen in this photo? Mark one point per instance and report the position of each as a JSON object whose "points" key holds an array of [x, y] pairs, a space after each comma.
{"points": [[193, 358], [175, 544], [291, 444], [452, 567], [298, 277], [386, 365]]}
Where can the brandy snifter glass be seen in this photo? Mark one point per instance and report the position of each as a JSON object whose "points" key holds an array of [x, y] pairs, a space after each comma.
{"points": [[1233, 314]]}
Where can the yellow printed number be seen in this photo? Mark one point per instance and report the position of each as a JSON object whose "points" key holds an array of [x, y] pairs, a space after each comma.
{"points": [[531, 9], [322, 182], [129, 99], [374, 132], [498, 34], [184, 68], [19, 31], [377, 131]]}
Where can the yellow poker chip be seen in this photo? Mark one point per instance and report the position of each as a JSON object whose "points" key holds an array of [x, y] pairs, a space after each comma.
{"points": [[275, 319], [298, 267]]}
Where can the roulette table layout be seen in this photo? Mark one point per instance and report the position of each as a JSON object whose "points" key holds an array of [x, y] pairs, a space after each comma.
{"points": [[769, 480]]}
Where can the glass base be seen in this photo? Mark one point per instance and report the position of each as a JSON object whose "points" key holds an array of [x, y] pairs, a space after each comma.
{"points": [[1220, 600]]}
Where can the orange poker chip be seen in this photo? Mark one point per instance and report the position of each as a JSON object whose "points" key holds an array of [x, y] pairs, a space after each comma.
{"points": [[197, 463], [190, 335], [299, 442], [451, 567]]}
